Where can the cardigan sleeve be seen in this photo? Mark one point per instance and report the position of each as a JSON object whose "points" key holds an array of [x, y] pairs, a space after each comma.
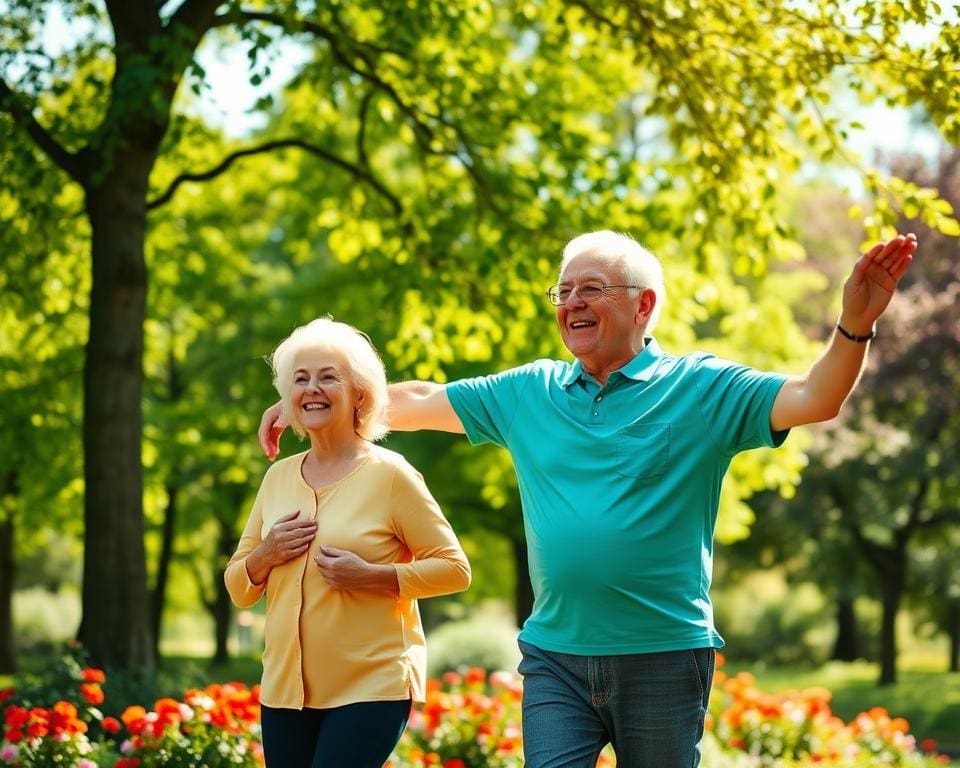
{"points": [[439, 565]]}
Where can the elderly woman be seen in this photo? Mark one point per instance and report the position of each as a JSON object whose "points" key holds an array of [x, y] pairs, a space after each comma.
{"points": [[343, 538]]}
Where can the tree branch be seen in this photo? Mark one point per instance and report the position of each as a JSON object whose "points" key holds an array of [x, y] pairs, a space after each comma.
{"points": [[11, 103], [362, 130], [361, 52], [292, 26], [874, 552], [198, 16], [422, 130], [356, 171]]}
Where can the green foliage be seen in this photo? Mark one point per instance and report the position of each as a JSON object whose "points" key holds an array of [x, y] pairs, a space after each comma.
{"points": [[762, 619]]}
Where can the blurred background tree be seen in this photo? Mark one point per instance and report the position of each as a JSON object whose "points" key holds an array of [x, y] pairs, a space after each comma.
{"points": [[878, 509]]}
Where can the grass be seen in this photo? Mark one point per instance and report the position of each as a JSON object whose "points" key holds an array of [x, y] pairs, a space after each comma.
{"points": [[928, 699]]}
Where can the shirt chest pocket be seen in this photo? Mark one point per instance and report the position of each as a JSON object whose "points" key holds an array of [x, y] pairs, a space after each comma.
{"points": [[643, 450]]}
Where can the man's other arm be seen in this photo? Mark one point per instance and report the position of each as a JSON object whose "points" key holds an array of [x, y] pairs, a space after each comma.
{"points": [[820, 394]]}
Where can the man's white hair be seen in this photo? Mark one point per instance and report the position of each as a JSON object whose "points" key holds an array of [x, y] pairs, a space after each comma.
{"points": [[638, 265]]}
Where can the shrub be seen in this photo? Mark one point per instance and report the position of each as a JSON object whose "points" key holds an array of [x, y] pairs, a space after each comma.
{"points": [[481, 641], [766, 619], [44, 619]]}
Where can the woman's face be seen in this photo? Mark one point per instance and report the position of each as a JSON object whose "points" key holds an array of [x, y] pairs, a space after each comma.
{"points": [[323, 396]]}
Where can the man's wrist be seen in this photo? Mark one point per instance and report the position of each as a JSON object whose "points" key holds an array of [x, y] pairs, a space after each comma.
{"points": [[853, 335]]}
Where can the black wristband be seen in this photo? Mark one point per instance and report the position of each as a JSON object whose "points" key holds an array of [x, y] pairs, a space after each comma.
{"points": [[858, 339]]}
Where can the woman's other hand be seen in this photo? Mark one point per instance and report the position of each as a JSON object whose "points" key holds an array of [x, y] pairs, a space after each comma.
{"points": [[345, 570]]}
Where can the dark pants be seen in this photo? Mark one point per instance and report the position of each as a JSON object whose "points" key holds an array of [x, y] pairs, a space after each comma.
{"points": [[358, 735], [650, 706]]}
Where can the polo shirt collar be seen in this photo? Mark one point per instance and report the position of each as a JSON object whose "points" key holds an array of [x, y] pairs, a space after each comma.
{"points": [[641, 368]]}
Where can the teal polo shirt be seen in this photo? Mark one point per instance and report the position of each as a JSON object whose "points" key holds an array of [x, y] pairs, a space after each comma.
{"points": [[620, 487]]}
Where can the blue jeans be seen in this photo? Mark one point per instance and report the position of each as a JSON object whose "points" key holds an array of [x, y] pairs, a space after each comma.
{"points": [[650, 706], [358, 735]]}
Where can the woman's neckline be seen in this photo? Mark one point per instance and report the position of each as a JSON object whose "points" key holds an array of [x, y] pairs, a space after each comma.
{"points": [[336, 476]]}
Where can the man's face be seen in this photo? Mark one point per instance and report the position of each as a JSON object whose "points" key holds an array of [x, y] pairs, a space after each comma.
{"points": [[605, 333]]}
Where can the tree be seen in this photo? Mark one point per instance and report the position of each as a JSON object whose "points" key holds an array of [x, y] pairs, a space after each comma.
{"points": [[43, 283], [881, 487], [476, 137]]}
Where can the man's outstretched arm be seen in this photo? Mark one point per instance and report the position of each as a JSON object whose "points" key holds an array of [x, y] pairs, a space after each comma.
{"points": [[418, 405], [413, 405], [819, 395]]}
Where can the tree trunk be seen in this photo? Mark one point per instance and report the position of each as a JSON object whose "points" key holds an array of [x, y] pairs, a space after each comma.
{"points": [[523, 602], [847, 645], [222, 607], [8, 564], [953, 631], [158, 595], [115, 627], [891, 585]]}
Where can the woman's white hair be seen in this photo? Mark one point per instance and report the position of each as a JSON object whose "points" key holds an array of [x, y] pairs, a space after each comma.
{"points": [[638, 265], [365, 368]]}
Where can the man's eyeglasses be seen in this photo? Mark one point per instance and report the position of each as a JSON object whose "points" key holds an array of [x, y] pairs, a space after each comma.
{"points": [[558, 294]]}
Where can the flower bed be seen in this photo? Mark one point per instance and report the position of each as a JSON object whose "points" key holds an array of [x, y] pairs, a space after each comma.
{"points": [[797, 728], [470, 720]]}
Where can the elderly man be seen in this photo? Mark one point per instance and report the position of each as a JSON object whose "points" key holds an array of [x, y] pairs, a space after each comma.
{"points": [[620, 457]]}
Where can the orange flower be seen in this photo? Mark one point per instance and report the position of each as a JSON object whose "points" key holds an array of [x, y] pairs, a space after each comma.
{"points": [[134, 717], [92, 692], [63, 719]]}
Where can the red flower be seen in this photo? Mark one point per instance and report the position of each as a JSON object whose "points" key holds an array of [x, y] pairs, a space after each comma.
{"points": [[475, 676], [93, 675], [110, 725], [454, 762], [6, 693], [16, 716]]}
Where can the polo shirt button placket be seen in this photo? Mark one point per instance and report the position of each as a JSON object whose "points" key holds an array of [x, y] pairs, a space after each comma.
{"points": [[595, 411]]}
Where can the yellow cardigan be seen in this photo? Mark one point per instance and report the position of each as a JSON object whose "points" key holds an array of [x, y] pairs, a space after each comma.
{"points": [[325, 647]]}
